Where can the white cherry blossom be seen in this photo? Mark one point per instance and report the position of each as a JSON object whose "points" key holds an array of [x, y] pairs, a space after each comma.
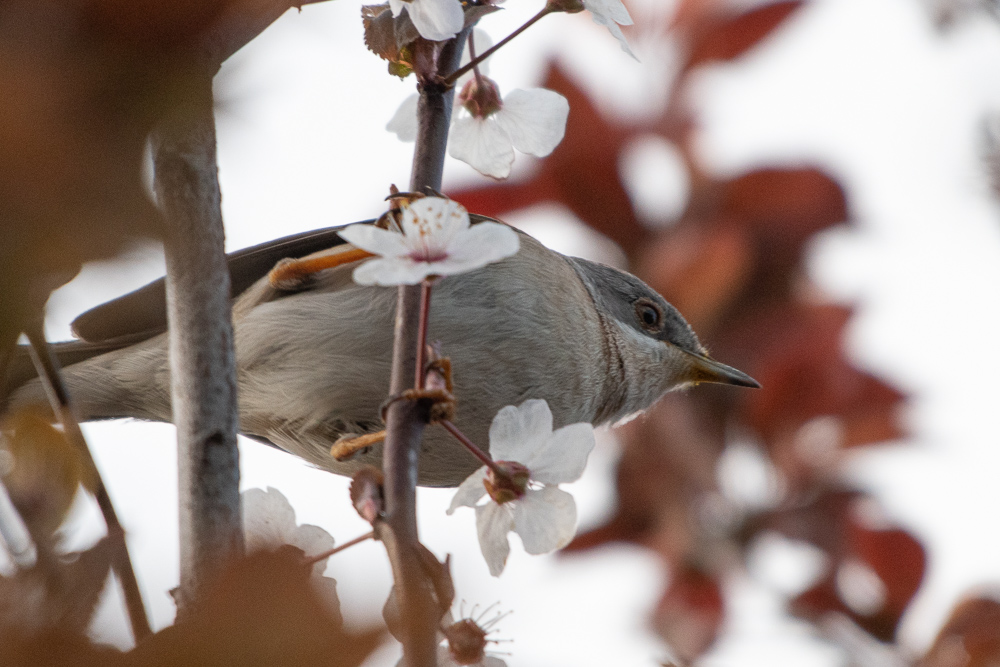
{"points": [[611, 14], [543, 515], [269, 523], [486, 130], [465, 642], [436, 240], [435, 20]]}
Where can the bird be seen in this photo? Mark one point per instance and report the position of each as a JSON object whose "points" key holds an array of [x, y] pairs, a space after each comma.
{"points": [[313, 359]]}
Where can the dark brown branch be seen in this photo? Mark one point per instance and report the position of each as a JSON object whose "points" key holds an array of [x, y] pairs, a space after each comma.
{"points": [[48, 370], [202, 360], [405, 420]]}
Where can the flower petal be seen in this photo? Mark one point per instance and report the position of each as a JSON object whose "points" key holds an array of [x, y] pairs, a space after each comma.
{"points": [[470, 491], [545, 519], [326, 592], [483, 145], [436, 20], [404, 122], [611, 13], [376, 240], [516, 432], [493, 661], [268, 519], [563, 456], [493, 522], [608, 10], [388, 271], [484, 243], [313, 541], [534, 119]]}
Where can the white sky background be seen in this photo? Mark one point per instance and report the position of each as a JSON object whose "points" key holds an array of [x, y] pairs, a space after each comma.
{"points": [[866, 88]]}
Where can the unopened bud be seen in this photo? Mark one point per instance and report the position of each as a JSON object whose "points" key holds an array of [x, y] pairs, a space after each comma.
{"points": [[366, 493]]}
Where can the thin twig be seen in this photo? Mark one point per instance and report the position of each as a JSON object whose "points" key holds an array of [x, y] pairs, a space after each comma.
{"points": [[475, 60], [472, 447], [425, 307], [48, 370], [312, 560]]}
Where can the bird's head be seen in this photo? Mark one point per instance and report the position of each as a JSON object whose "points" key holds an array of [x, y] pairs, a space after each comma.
{"points": [[655, 347]]}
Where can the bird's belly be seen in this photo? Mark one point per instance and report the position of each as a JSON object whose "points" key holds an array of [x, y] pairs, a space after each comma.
{"points": [[330, 375]]}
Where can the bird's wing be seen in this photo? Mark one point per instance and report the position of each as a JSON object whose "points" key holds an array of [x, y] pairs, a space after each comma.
{"points": [[143, 313]]}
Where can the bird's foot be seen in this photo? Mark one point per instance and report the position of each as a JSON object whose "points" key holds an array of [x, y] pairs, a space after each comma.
{"points": [[347, 446], [289, 274]]}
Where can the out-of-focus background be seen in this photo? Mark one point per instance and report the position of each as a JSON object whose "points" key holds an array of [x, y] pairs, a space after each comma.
{"points": [[809, 182]]}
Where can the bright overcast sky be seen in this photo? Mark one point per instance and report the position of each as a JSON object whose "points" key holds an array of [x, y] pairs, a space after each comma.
{"points": [[866, 88]]}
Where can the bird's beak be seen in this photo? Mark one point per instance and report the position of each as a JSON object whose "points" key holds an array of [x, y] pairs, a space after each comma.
{"points": [[705, 369]]}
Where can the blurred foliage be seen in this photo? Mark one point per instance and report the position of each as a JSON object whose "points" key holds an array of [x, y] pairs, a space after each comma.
{"points": [[266, 609], [733, 264], [84, 83], [263, 611]]}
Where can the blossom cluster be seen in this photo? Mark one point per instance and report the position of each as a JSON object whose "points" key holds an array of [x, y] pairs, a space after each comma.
{"points": [[487, 127]]}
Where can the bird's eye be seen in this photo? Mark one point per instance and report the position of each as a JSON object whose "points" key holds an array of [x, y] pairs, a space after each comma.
{"points": [[650, 315]]}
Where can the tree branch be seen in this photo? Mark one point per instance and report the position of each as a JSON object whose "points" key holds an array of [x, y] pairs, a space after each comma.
{"points": [[239, 24], [202, 359], [405, 420]]}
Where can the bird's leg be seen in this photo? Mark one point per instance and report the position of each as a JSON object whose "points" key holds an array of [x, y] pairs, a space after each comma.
{"points": [[291, 274], [349, 445], [437, 389]]}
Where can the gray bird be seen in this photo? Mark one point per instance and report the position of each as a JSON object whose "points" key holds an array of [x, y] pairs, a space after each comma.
{"points": [[313, 363]]}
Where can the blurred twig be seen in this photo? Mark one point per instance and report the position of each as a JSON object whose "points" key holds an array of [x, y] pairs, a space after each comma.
{"points": [[48, 370]]}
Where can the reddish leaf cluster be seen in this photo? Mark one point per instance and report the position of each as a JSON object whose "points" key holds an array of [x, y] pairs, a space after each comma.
{"points": [[733, 265], [263, 611]]}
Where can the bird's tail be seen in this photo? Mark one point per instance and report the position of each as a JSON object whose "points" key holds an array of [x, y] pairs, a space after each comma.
{"points": [[88, 370]]}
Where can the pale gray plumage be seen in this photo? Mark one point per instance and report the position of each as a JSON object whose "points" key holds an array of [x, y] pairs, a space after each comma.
{"points": [[313, 365]]}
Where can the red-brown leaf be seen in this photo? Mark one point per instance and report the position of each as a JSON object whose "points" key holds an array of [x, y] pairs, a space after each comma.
{"points": [[731, 37], [970, 638], [690, 613]]}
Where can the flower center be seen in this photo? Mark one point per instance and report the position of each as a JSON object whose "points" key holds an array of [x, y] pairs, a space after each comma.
{"points": [[508, 486], [480, 101]]}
